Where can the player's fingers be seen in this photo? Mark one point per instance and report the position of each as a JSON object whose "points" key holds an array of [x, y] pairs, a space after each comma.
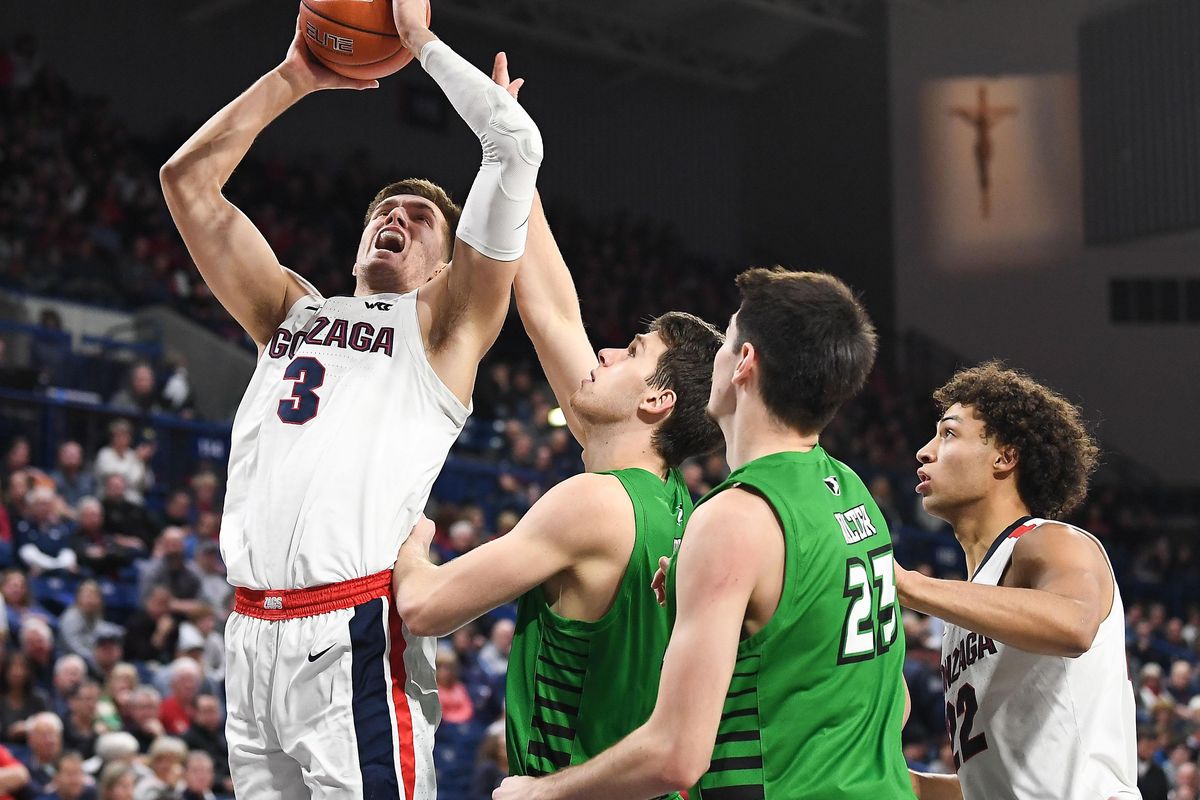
{"points": [[664, 563], [500, 69], [514, 88]]}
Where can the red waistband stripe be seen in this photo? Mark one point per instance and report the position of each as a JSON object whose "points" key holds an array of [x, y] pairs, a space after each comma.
{"points": [[275, 604]]}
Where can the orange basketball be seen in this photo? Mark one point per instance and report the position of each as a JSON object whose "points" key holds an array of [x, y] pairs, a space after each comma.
{"points": [[356, 38]]}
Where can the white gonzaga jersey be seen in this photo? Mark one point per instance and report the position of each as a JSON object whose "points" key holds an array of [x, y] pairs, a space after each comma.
{"points": [[1038, 727], [336, 444]]}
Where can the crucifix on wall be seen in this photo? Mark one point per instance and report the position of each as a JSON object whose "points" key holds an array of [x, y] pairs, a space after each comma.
{"points": [[983, 117]]}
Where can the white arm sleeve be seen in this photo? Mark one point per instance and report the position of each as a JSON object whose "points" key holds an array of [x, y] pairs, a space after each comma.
{"points": [[495, 218]]}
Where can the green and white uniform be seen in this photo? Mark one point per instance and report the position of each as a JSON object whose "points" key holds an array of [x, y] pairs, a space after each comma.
{"points": [[816, 702], [576, 688]]}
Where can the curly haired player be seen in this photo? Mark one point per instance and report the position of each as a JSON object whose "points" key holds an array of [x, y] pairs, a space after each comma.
{"points": [[1038, 700]]}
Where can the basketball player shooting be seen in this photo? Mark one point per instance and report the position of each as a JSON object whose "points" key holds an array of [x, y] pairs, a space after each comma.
{"points": [[1038, 700], [352, 408]]}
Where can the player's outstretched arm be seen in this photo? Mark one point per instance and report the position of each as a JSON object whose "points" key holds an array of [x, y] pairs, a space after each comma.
{"points": [[463, 309], [237, 263], [579, 519], [1063, 592], [549, 308], [673, 748], [546, 298]]}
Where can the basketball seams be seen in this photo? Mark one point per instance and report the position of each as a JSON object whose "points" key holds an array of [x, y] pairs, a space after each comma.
{"points": [[312, 10]]}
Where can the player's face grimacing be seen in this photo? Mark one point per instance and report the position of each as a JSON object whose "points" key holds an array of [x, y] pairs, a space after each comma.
{"points": [[958, 463], [402, 245], [721, 397], [616, 389]]}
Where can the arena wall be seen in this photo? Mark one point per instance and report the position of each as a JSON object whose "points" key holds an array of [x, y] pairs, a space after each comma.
{"points": [[1022, 285]]}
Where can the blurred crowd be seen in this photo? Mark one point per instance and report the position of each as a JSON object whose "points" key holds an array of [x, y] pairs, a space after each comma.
{"points": [[113, 592]]}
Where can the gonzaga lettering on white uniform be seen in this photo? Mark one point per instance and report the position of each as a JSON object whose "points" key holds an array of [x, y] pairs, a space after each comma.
{"points": [[336, 445], [1036, 727]]}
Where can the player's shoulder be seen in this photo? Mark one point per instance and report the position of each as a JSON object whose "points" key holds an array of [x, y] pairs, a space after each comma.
{"points": [[1058, 544], [586, 494], [584, 512], [740, 506]]}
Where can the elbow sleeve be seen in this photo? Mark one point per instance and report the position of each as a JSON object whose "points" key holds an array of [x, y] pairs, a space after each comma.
{"points": [[495, 218]]}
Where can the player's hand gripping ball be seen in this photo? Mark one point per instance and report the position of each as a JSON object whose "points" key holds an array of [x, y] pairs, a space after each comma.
{"points": [[355, 38]]}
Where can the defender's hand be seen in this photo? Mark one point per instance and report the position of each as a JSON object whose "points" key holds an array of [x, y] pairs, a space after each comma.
{"points": [[306, 74], [516, 788], [420, 538], [659, 584], [500, 76], [905, 578]]}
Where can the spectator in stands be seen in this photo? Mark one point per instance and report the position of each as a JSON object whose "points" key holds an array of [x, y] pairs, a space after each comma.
{"points": [[204, 492], [43, 537], [142, 720], [492, 766], [98, 551], [1187, 783], [19, 604], [70, 671], [45, 747], [14, 776], [1171, 646], [50, 353], [22, 699], [18, 458], [140, 393], [493, 657], [117, 782], [171, 569], [1151, 689], [198, 777], [80, 726], [115, 701], [71, 480], [123, 518], [78, 624], [456, 701], [463, 537], [70, 781], [208, 526], [165, 759], [178, 509], [16, 487], [207, 735], [199, 638], [214, 585], [175, 711], [505, 521], [119, 457], [37, 643], [1181, 684], [109, 651], [151, 632]]}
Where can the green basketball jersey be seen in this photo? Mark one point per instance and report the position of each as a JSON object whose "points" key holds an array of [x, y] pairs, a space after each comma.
{"points": [[816, 702], [575, 688]]}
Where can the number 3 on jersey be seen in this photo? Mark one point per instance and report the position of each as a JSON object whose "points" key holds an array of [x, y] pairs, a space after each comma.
{"points": [[869, 585], [306, 374]]}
